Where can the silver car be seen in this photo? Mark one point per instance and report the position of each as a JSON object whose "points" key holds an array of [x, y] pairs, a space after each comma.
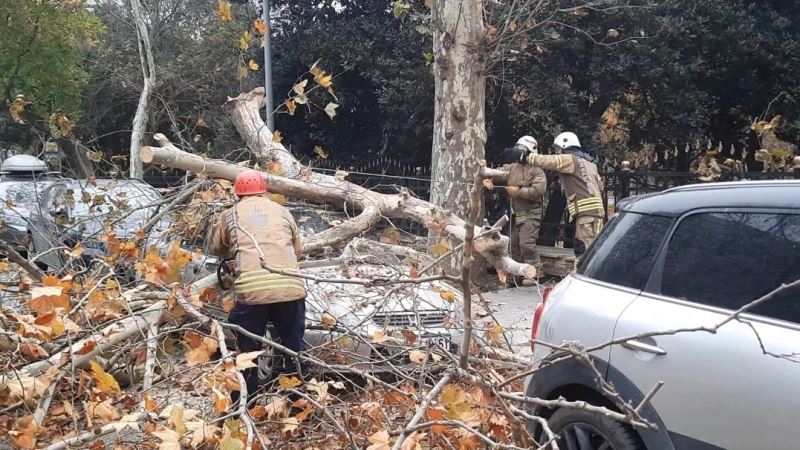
{"points": [[23, 180], [665, 265]]}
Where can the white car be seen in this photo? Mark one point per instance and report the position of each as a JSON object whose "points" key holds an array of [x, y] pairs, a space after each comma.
{"points": [[679, 260]]}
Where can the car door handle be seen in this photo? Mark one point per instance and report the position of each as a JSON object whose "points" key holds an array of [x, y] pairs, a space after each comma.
{"points": [[640, 346]]}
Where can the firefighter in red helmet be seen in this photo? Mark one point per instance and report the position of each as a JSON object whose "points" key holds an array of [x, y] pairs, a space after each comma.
{"points": [[255, 228]]}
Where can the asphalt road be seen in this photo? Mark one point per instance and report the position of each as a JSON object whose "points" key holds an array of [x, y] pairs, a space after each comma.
{"points": [[513, 309]]}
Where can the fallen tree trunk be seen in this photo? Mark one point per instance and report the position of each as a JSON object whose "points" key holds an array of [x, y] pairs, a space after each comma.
{"points": [[301, 182]]}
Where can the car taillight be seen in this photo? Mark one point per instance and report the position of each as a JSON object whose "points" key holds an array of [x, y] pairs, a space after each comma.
{"points": [[537, 315]]}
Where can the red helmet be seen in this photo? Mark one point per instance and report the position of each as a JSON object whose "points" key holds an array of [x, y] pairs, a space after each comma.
{"points": [[249, 182]]}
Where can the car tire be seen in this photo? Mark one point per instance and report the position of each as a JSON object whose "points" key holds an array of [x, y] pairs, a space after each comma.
{"points": [[586, 430]]}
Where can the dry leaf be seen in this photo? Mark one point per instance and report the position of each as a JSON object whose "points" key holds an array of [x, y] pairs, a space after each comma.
{"points": [[378, 337], [48, 298], [300, 88], [176, 419], [319, 151], [245, 360], [260, 26], [441, 248], [380, 441], [170, 440], [277, 137], [417, 357], [224, 11], [252, 65], [50, 280], [448, 296], [277, 408], [412, 442], [244, 41], [32, 352], [290, 425], [494, 334], [340, 175], [291, 106], [105, 381], [288, 382], [455, 401], [328, 320], [222, 401], [330, 109]]}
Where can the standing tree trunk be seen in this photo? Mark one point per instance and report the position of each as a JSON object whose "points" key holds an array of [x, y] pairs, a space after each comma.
{"points": [[459, 130], [149, 74]]}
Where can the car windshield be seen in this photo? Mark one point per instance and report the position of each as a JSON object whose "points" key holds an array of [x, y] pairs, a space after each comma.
{"points": [[23, 195], [125, 205]]}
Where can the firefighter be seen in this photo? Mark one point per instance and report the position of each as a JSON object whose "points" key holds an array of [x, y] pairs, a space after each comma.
{"points": [[580, 183], [255, 232], [525, 186]]}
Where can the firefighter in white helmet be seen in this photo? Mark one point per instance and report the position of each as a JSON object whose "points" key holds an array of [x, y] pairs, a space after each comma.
{"points": [[580, 183], [525, 186]]}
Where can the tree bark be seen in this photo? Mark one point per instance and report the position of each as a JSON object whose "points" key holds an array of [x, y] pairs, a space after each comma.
{"points": [[459, 133], [459, 127], [149, 76], [328, 189]]}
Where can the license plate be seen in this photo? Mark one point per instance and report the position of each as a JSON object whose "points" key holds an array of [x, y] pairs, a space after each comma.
{"points": [[442, 342]]}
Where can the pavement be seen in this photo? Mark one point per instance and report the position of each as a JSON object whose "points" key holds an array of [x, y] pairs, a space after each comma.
{"points": [[513, 309]]}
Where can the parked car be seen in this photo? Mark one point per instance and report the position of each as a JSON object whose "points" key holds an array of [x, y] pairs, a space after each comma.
{"points": [[73, 211], [685, 258], [23, 180]]}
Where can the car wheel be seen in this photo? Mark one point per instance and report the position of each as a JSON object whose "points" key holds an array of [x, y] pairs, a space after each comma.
{"points": [[584, 430], [267, 360]]}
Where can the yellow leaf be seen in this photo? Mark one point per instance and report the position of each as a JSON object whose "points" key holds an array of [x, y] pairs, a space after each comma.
{"points": [[277, 137], [260, 26], [245, 360], [441, 248], [448, 296], [290, 106], [3, 266], [16, 107], [390, 236], [455, 401], [244, 41], [380, 441], [319, 151], [288, 382], [105, 381], [321, 78], [494, 334], [224, 11], [252, 65]]}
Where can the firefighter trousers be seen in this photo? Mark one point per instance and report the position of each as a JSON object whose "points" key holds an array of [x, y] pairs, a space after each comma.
{"points": [[288, 318], [523, 242]]}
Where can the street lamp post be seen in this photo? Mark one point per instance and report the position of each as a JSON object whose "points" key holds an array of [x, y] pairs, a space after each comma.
{"points": [[269, 99]]}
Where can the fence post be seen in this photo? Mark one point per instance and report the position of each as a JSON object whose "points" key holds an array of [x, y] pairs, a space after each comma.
{"points": [[625, 180], [796, 168]]}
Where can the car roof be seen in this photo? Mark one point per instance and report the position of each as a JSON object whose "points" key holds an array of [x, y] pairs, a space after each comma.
{"points": [[737, 194]]}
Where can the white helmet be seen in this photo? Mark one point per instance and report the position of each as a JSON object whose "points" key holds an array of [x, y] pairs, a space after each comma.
{"points": [[566, 140], [527, 143]]}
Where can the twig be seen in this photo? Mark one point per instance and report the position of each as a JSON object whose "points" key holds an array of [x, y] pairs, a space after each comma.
{"points": [[551, 438], [243, 413], [466, 265], [649, 396], [421, 409], [127, 421], [150, 362], [16, 258], [44, 402]]}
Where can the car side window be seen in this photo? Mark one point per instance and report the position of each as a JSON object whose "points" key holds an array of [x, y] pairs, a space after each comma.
{"points": [[625, 251], [729, 259]]}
